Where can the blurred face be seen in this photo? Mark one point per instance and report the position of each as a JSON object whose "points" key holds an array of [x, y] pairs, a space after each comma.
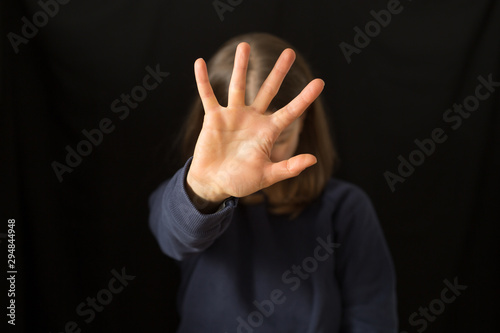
{"points": [[286, 144], [288, 140]]}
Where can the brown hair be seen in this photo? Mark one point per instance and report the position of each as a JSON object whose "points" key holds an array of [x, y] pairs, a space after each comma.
{"points": [[290, 196]]}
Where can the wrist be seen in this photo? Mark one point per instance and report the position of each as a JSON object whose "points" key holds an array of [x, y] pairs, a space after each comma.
{"points": [[203, 197]]}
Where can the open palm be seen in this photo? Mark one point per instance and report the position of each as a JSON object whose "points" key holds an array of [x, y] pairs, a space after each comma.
{"points": [[232, 154]]}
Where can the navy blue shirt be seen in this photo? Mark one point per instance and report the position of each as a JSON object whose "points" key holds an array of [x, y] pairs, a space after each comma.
{"points": [[245, 270]]}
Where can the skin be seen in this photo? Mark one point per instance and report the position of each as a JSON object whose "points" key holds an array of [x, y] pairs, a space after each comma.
{"points": [[238, 151], [287, 142]]}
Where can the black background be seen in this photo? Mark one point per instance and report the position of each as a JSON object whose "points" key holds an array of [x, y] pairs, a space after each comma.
{"points": [[441, 223]]}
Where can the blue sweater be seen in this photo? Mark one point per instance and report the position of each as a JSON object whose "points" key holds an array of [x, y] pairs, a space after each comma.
{"points": [[245, 270]]}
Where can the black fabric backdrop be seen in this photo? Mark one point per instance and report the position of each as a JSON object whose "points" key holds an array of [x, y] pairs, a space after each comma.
{"points": [[441, 223]]}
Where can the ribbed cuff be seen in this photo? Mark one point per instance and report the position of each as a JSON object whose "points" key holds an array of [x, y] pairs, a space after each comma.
{"points": [[191, 221]]}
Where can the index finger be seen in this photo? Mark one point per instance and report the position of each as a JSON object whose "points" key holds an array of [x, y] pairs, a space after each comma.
{"points": [[204, 87]]}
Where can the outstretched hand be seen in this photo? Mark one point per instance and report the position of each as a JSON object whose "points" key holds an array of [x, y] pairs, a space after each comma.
{"points": [[232, 154]]}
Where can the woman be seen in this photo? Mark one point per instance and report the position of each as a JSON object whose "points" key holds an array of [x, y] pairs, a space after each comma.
{"points": [[266, 239]]}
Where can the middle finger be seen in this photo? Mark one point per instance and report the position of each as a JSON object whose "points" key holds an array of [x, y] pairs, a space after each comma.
{"points": [[237, 86]]}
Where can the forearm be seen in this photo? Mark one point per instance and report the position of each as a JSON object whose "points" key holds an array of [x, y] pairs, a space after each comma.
{"points": [[179, 227]]}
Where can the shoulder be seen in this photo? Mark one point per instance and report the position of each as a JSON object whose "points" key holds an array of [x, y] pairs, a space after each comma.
{"points": [[337, 190], [344, 198], [349, 211]]}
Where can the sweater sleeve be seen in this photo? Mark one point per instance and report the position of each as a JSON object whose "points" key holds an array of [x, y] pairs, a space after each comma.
{"points": [[364, 269], [180, 229]]}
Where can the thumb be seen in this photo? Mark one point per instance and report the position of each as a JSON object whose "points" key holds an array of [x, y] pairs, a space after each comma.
{"points": [[292, 167]]}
